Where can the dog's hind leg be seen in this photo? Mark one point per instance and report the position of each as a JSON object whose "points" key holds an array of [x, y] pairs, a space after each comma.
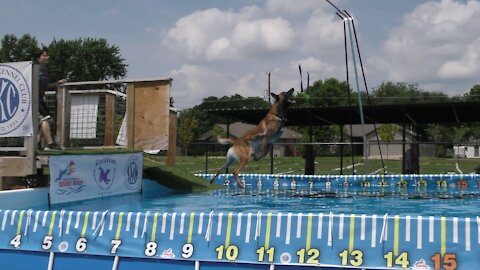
{"points": [[230, 160], [241, 166]]}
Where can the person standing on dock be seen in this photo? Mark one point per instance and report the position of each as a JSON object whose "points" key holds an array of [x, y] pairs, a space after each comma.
{"points": [[45, 135]]}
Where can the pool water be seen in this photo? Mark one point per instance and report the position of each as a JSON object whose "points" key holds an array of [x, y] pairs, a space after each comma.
{"points": [[292, 201]]}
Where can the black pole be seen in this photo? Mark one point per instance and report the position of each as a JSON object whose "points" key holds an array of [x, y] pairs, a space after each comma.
{"points": [[341, 149], [349, 98], [206, 159], [271, 148], [404, 159], [366, 88]]}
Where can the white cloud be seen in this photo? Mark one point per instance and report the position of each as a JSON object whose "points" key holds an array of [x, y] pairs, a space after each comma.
{"points": [[438, 41], [263, 36], [289, 7]]}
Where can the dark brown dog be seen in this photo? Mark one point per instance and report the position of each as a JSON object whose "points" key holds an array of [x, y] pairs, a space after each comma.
{"points": [[256, 143]]}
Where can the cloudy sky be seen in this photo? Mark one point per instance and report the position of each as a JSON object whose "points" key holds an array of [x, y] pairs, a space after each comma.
{"points": [[218, 47]]}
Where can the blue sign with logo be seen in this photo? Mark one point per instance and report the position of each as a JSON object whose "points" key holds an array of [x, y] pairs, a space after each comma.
{"points": [[81, 177]]}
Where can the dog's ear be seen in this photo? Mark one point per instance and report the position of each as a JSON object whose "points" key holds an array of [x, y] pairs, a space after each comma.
{"points": [[275, 96], [290, 92]]}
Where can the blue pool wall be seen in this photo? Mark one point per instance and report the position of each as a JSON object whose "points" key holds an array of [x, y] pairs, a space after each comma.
{"points": [[418, 237]]}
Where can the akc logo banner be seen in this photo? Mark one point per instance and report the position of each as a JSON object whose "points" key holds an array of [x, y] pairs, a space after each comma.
{"points": [[16, 99], [81, 177]]}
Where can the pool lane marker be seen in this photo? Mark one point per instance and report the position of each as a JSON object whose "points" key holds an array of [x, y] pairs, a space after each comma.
{"points": [[101, 225], [289, 226], [279, 225], [172, 225], [384, 233], [229, 229], [94, 220], [200, 223], [363, 219], [467, 234], [340, 226], [77, 221], [20, 219], [60, 223], [259, 225], [112, 218], [14, 214], [154, 227], [330, 230], [182, 222], [374, 231], [208, 233], [164, 222], [239, 224], [35, 223], [309, 231], [299, 225], [129, 219], [85, 224], [396, 232], [408, 220], [419, 232], [320, 224], [27, 222], [190, 228], [248, 227], [478, 230], [352, 233], [268, 229], [219, 224], [443, 235], [431, 229], [52, 223], [145, 224], [455, 230], [44, 220], [137, 223]]}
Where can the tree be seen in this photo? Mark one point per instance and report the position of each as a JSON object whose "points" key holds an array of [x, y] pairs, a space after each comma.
{"points": [[387, 132], [187, 125], [15, 49], [85, 60]]}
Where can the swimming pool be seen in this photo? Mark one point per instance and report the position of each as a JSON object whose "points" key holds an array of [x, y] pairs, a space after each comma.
{"points": [[277, 222]]}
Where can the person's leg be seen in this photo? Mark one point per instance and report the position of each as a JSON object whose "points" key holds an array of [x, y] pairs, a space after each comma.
{"points": [[46, 135]]}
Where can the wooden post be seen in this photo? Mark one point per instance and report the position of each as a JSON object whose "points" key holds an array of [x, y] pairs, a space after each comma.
{"points": [[130, 115], [31, 142], [109, 119], [63, 117], [172, 137]]}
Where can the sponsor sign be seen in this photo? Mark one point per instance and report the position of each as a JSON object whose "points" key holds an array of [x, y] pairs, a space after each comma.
{"points": [[16, 99], [81, 177]]}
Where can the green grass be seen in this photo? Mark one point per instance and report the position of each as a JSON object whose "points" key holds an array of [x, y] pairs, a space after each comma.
{"points": [[323, 165]]}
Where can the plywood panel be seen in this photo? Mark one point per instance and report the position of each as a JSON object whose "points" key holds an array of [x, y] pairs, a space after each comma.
{"points": [[13, 166], [152, 108]]}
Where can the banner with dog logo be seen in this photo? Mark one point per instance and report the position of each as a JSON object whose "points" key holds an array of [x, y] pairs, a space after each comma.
{"points": [[16, 99], [81, 177]]}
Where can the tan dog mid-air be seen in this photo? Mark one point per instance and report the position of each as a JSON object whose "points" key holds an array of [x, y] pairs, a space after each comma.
{"points": [[256, 143]]}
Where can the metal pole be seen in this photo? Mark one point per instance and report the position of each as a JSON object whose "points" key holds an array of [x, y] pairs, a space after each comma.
{"points": [[206, 160], [341, 150], [271, 149]]}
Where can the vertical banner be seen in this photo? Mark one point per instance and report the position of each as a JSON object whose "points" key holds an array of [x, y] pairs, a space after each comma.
{"points": [[16, 99], [81, 177]]}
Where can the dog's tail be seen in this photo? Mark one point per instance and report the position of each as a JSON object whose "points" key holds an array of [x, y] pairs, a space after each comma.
{"points": [[225, 141]]}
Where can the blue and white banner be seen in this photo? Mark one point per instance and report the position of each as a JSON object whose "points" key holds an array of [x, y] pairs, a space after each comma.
{"points": [[81, 177], [284, 239], [16, 99]]}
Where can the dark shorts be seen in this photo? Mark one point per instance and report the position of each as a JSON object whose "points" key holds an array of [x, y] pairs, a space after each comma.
{"points": [[42, 118]]}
